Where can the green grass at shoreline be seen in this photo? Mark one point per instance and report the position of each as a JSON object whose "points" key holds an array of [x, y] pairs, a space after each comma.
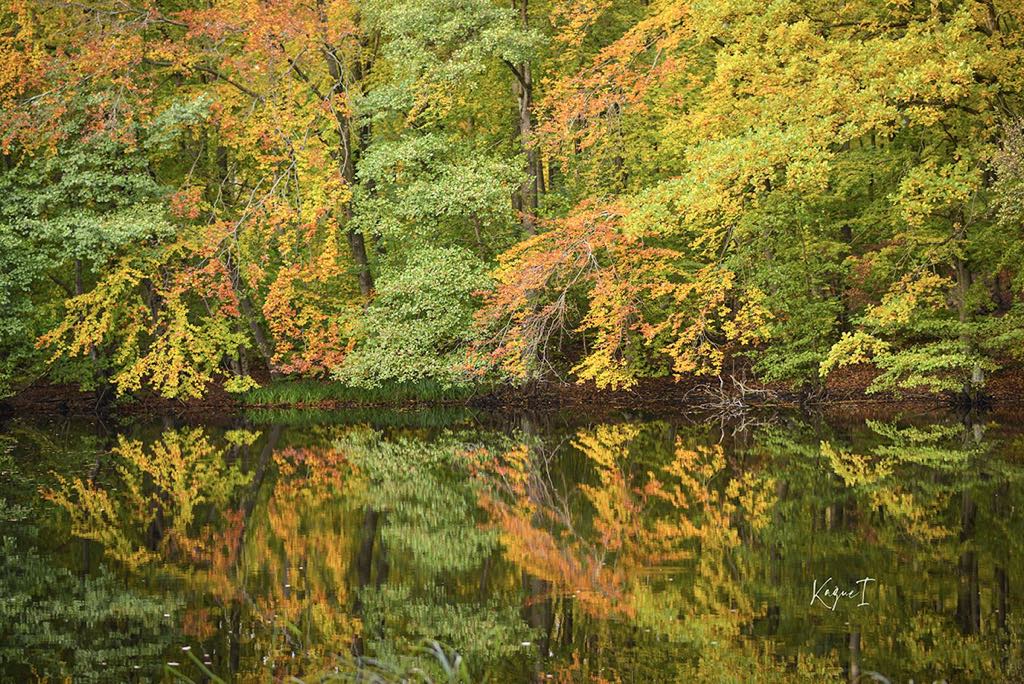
{"points": [[292, 392], [394, 417]]}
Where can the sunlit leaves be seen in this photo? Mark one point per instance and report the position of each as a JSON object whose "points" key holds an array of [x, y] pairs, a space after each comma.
{"points": [[147, 318], [631, 303]]}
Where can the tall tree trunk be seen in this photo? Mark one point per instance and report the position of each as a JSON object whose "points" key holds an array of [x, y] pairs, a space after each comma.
{"points": [[356, 241], [104, 392], [529, 192], [346, 158]]}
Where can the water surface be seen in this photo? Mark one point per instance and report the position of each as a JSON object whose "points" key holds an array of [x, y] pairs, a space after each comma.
{"points": [[533, 548]]}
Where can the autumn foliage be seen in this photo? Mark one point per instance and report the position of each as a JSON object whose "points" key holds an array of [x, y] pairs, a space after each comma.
{"points": [[594, 191]]}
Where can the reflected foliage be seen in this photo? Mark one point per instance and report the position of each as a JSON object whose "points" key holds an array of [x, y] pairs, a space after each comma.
{"points": [[633, 550]]}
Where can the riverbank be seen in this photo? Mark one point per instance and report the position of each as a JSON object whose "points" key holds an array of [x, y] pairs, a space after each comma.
{"points": [[732, 393]]}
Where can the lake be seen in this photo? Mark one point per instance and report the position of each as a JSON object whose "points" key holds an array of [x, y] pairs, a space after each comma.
{"points": [[512, 548]]}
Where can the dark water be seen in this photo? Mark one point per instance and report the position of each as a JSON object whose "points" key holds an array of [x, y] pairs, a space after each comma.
{"points": [[532, 548]]}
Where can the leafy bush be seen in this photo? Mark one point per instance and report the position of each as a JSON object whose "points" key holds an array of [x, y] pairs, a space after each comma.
{"points": [[417, 326]]}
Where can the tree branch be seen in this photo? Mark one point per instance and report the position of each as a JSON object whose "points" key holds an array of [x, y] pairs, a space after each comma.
{"points": [[518, 74], [212, 72]]}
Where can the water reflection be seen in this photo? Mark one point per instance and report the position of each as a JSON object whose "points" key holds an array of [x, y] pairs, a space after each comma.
{"points": [[643, 550]]}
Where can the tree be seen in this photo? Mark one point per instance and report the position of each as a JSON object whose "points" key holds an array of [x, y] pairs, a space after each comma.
{"points": [[658, 189]]}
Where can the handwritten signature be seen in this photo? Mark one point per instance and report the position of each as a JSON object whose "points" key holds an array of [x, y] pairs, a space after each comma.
{"points": [[829, 591]]}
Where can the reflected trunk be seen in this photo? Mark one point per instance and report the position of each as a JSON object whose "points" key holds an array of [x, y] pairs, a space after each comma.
{"points": [[364, 570], [968, 602]]}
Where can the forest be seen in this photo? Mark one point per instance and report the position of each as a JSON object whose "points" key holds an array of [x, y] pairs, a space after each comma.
{"points": [[390, 192]]}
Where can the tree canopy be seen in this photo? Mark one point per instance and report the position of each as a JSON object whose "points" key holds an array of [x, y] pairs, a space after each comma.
{"points": [[403, 190]]}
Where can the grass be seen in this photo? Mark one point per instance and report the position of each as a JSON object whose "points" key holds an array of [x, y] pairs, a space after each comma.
{"points": [[291, 392], [433, 417]]}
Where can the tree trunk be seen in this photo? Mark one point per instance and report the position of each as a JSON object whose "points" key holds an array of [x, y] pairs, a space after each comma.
{"points": [[531, 188], [346, 159], [357, 245], [263, 343], [964, 278], [264, 346]]}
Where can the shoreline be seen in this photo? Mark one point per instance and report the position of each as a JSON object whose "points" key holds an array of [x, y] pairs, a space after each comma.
{"points": [[718, 396]]}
